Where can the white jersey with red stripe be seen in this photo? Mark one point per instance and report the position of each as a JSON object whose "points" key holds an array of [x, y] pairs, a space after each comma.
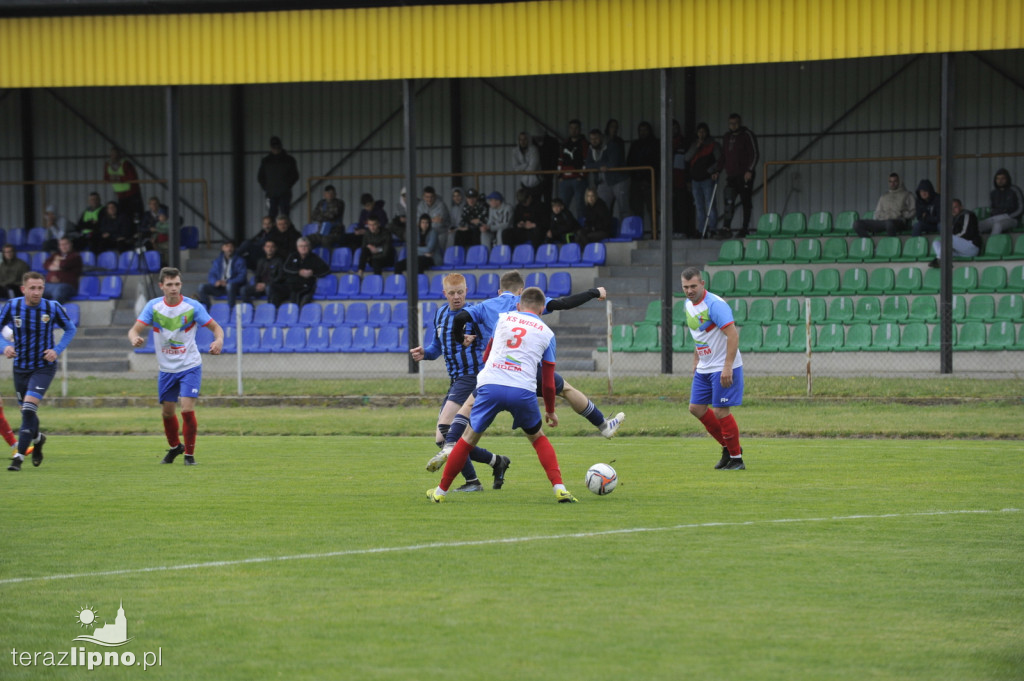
{"points": [[520, 342], [706, 320]]}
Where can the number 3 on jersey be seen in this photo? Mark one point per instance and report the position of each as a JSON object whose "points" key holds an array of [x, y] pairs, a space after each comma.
{"points": [[518, 332]]}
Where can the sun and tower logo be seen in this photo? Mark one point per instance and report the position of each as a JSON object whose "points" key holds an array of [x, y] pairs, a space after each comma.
{"points": [[109, 635]]}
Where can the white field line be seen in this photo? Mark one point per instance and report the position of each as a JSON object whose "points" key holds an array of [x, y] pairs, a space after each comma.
{"points": [[487, 542]]}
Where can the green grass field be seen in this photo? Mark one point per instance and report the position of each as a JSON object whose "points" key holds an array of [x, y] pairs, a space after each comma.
{"points": [[320, 558]]}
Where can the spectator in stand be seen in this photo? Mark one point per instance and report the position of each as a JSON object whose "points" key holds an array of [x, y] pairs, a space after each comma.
{"points": [[474, 220], [615, 157], [571, 185], [397, 225], [251, 250], [439, 216], [927, 206], [1007, 205], [372, 209], [56, 227], [425, 248], [284, 235], [455, 210], [550, 148], [526, 160], [226, 276], [151, 214], [277, 174], [597, 160], [62, 271], [329, 211], [89, 221], [643, 152], [499, 218], [301, 269], [683, 216], [115, 231], [160, 234], [120, 173], [597, 220], [894, 210], [529, 221], [377, 250], [269, 279], [562, 226], [966, 235], [739, 161], [701, 159], [12, 269]]}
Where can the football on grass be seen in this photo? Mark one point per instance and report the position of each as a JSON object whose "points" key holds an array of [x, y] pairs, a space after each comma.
{"points": [[601, 479]]}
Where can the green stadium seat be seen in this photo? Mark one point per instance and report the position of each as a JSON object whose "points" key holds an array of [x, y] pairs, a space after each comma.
{"points": [[867, 215], [841, 310], [972, 336], [750, 338], [682, 341], [908, 280], [819, 311], [1015, 278], [622, 337], [826, 282], [993, 279], [645, 339], [886, 336], [983, 212], [723, 283], [819, 223], [936, 341], [782, 250], [997, 247], [981, 308], [959, 311], [801, 282], [867, 309], [861, 249], [965, 279], [854, 281], [679, 311], [834, 250], [760, 311], [768, 226], [830, 337], [1010, 308], [895, 309], [887, 249], [913, 338], [789, 311], [807, 250], [776, 338], [844, 222], [748, 283], [652, 316], [915, 248], [1001, 336], [794, 224], [773, 283], [881, 281], [739, 309], [858, 337], [923, 309], [931, 280], [756, 251], [729, 252], [1018, 249]]}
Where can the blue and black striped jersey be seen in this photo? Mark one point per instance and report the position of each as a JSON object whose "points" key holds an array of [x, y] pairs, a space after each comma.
{"points": [[33, 330], [459, 359]]}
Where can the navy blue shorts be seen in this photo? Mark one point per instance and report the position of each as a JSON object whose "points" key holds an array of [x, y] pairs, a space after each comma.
{"points": [[491, 399], [460, 390], [707, 389], [33, 382], [559, 384]]}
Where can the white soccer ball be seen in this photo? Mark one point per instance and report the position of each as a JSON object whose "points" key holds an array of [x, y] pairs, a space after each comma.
{"points": [[601, 479], [8, 334]]}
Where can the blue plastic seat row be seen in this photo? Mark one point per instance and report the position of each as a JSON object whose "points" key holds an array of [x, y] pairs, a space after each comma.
{"points": [[91, 287], [313, 314], [393, 286], [299, 339]]}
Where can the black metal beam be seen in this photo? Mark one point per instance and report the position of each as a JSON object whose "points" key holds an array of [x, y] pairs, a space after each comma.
{"points": [[529, 114], [172, 121], [998, 69], [236, 94], [665, 217], [411, 226], [455, 124], [28, 159], [945, 191]]}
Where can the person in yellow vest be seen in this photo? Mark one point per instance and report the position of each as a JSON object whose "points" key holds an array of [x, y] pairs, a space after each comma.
{"points": [[120, 172], [88, 222]]}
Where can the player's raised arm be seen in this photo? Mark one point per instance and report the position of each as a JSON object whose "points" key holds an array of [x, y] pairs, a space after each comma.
{"points": [[575, 300]]}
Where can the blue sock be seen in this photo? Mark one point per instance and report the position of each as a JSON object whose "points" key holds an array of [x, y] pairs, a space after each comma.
{"points": [[593, 414], [29, 426], [481, 455], [468, 472], [455, 431], [443, 428]]}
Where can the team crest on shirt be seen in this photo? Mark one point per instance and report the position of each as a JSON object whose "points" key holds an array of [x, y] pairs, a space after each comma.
{"points": [[45, 318], [17, 322]]}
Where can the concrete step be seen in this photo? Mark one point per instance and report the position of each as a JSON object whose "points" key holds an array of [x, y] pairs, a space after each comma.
{"points": [[90, 365], [576, 365]]}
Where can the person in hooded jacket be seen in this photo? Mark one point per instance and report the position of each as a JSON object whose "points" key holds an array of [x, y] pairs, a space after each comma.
{"points": [[926, 209], [1006, 202]]}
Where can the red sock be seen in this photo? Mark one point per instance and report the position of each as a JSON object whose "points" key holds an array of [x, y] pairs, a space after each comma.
{"points": [[731, 436], [171, 430], [456, 460], [5, 430], [189, 431], [713, 426], [548, 459]]}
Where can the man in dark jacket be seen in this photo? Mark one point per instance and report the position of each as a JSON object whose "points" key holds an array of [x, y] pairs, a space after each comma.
{"points": [[278, 173], [966, 237], [226, 276], [376, 248], [643, 151], [926, 211], [1007, 205], [739, 161], [571, 185], [301, 270], [269, 279], [284, 235]]}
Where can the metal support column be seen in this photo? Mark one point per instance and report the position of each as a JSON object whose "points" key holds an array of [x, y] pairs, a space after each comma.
{"points": [[28, 160], [411, 228], [455, 125], [237, 104], [171, 117], [665, 217], [945, 184]]}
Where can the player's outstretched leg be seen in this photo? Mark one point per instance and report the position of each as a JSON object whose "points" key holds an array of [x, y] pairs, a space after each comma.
{"points": [[583, 406]]}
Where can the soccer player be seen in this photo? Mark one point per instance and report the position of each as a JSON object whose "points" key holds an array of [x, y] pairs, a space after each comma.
{"points": [[175, 319], [717, 367], [485, 315], [463, 363], [521, 342], [32, 319]]}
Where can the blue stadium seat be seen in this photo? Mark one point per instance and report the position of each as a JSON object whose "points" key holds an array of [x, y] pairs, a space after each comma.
{"points": [[348, 286], [221, 313], [389, 339], [364, 338], [522, 256], [436, 290], [246, 311], [88, 258], [190, 238], [149, 348], [593, 255], [287, 315], [16, 237], [203, 339], [251, 338], [538, 279], [74, 313], [394, 286], [273, 339], [3, 237], [356, 314], [333, 315], [326, 287], [128, 263], [107, 260], [263, 315], [546, 255], [310, 315], [454, 257], [428, 334], [399, 314], [476, 257], [311, 228], [470, 284], [559, 284], [487, 285], [324, 254], [429, 309], [501, 256], [422, 285], [341, 339], [151, 262], [631, 229], [569, 255], [294, 340], [379, 315], [319, 340], [25, 257], [38, 261], [111, 287], [341, 260], [230, 346], [372, 287]]}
